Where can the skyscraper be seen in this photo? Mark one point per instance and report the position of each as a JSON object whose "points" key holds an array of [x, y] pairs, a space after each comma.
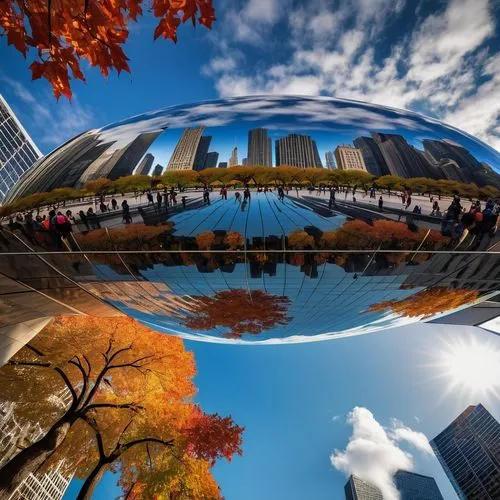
{"points": [[233, 161], [349, 158], [183, 157], [18, 152], [259, 148], [244, 162], [211, 159], [330, 161], [469, 452], [402, 159], [201, 152], [223, 164], [297, 151], [445, 149], [132, 154], [373, 157], [157, 170], [414, 486], [145, 165], [357, 489]]}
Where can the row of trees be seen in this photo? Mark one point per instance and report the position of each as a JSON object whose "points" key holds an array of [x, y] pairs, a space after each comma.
{"points": [[130, 410], [259, 176]]}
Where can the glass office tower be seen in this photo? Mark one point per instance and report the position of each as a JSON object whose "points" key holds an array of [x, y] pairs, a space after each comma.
{"points": [[469, 451], [357, 489], [18, 152], [414, 486]]}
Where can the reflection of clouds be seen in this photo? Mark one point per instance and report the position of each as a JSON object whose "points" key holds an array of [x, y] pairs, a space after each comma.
{"points": [[293, 114]]}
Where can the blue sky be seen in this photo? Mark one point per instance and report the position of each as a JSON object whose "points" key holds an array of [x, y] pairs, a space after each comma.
{"points": [[440, 58]]}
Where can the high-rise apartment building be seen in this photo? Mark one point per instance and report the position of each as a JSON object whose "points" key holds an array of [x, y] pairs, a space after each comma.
{"points": [[297, 151], [412, 486], [145, 165], [201, 152], [157, 170], [244, 162], [223, 164], [358, 489], [233, 161], [469, 452], [131, 154], [259, 148], [18, 152], [183, 157], [449, 150], [330, 160], [373, 157], [211, 159], [349, 158]]}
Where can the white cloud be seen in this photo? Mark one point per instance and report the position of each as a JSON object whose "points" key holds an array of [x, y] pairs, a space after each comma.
{"points": [[54, 124], [443, 68], [373, 452]]}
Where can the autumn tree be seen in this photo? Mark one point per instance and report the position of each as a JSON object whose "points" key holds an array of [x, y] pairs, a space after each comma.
{"points": [[63, 32], [130, 393], [241, 311], [429, 302]]}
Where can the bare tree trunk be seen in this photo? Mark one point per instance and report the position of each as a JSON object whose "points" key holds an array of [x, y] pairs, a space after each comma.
{"points": [[92, 480], [28, 460]]}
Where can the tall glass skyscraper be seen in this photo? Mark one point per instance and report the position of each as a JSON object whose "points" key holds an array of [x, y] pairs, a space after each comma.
{"points": [[18, 152], [414, 486], [469, 451]]}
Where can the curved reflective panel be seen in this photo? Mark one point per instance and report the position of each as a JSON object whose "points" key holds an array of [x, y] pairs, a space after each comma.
{"points": [[324, 218]]}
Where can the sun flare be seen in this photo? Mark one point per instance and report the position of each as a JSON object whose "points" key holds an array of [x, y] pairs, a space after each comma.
{"points": [[472, 365]]}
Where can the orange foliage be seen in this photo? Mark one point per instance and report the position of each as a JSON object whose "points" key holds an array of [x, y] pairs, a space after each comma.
{"points": [[234, 240], [205, 240], [129, 237], [429, 302], [240, 312], [359, 235], [300, 240], [65, 31]]}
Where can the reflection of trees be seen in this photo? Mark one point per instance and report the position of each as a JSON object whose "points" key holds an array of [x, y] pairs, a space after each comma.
{"points": [[129, 237], [429, 302], [240, 311], [130, 409]]}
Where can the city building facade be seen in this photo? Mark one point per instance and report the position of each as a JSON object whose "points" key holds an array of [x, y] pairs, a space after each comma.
{"points": [[157, 170], [349, 158], [233, 161], [412, 486], [469, 452], [358, 489], [183, 157], [372, 156], [211, 159], [145, 164], [223, 164], [130, 156], [259, 148], [330, 160], [296, 150], [200, 157], [18, 152]]}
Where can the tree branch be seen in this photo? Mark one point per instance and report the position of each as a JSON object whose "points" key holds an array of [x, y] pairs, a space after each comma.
{"points": [[126, 446], [79, 365], [34, 349], [100, 444], [28, 363], [66, 380], [127, 406]]}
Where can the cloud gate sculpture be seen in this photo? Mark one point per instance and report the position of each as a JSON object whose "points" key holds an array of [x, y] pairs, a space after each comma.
{"points": [[256, 220]]}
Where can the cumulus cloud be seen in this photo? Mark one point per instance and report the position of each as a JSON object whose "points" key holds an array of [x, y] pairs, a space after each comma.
{"points": [[442, 67], [373, 452]]}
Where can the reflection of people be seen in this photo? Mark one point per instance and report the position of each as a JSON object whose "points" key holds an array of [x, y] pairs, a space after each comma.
{"points": [[159, 199], [206, 196], [126, 212], [114, 204], [246, 194], [150, 198], [237, 196], [380, 204], [223, 193], [93, 219], [84, 219], [183, 199]]}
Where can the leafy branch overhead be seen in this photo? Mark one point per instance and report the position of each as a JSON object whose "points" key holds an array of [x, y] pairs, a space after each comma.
{"points": [[63, 32]]}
